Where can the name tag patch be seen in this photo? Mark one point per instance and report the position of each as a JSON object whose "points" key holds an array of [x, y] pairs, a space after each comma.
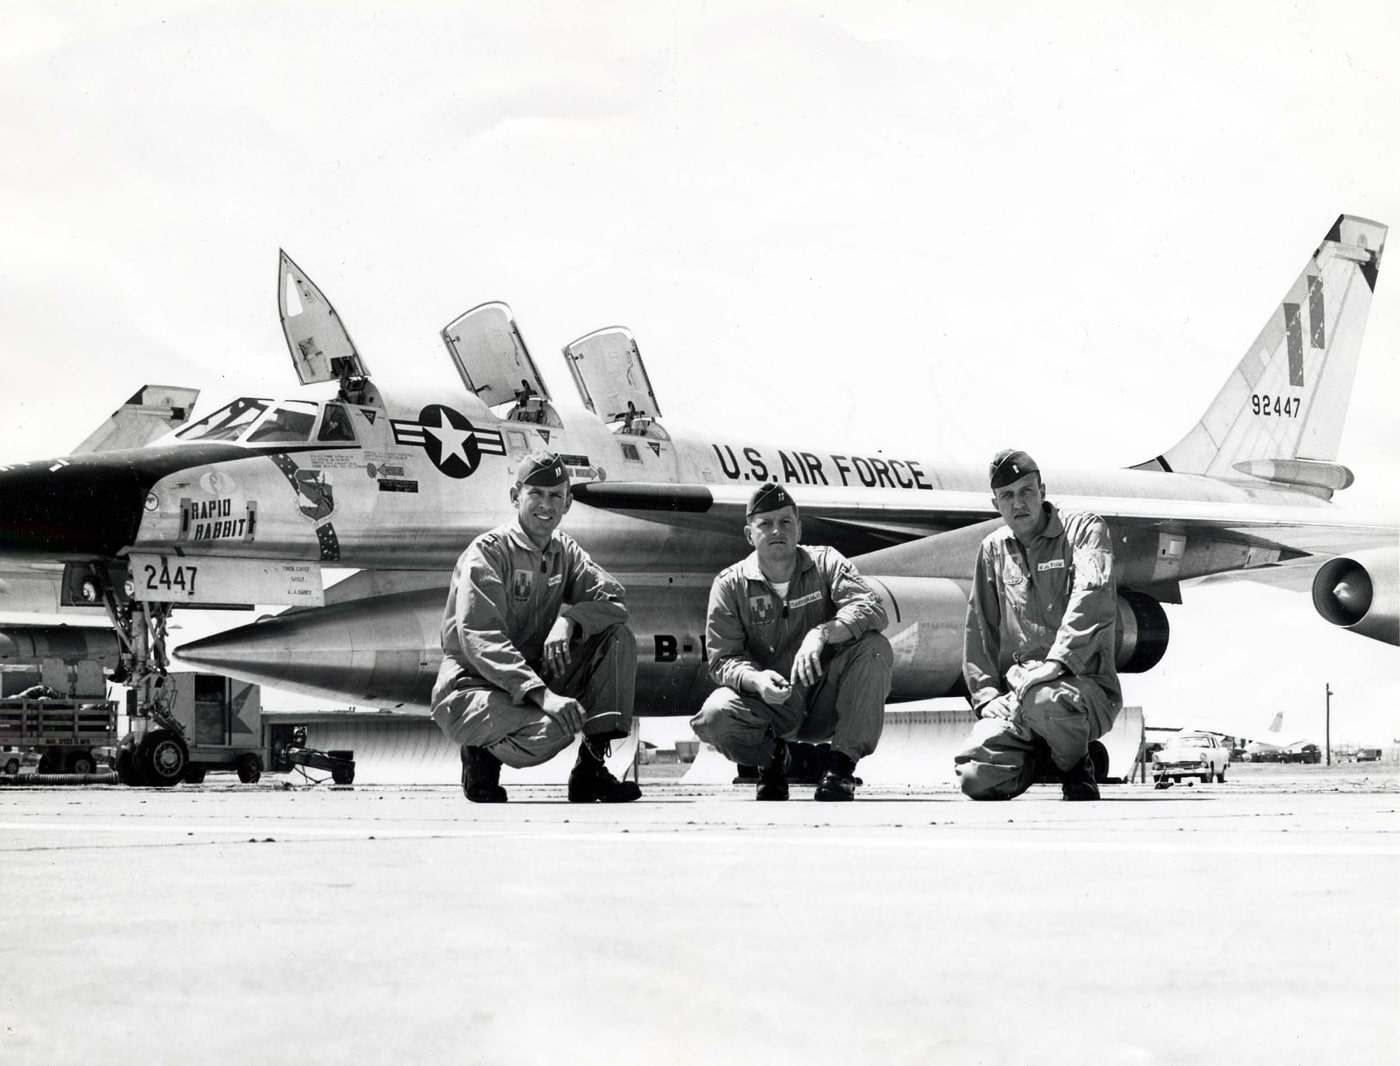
{"points": [[555, 580], [802, 601], [1053, 564]]}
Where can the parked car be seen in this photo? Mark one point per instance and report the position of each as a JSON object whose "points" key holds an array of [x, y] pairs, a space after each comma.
{"points": [[14, 761], [1190, 755]]}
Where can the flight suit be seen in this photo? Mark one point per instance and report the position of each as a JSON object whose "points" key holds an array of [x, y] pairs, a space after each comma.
{"points": [[1054, 600], [750, 629], [504, 598]]}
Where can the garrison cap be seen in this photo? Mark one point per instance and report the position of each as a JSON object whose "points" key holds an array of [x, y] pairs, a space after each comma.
{"points": [[1011, 464], [541, 468], [769, 497]]}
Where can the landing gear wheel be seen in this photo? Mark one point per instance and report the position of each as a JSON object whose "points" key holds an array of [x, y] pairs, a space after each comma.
{"points": [[343, 775], [194, 775], [164, 758], [249, 769]]}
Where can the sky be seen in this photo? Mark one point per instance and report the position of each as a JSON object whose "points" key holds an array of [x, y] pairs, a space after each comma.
{"points": [[937, 227]]}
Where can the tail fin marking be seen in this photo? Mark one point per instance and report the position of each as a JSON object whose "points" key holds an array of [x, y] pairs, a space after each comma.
{"points": [[1287, 398]]}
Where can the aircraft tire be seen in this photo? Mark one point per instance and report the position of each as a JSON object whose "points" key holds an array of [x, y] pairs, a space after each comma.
{"points": [[343, 775], [164, 757], [194, 775]]}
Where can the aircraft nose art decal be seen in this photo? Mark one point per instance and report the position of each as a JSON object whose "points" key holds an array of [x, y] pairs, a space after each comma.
{"points": [[452, 443], [316, 502]]}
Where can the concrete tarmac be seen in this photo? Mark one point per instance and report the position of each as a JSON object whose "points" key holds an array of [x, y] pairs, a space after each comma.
{"points": [[1255, 921]]}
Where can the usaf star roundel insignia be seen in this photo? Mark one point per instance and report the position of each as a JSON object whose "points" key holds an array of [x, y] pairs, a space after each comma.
{"points": [[450, 441]]}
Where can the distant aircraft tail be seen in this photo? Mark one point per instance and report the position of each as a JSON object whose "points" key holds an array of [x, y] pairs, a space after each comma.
{"points": [[152, 411], [1276, 726], [1279, 416]]}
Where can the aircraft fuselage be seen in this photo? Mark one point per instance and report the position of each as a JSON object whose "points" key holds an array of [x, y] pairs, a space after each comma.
{"points": [[403, 495]]}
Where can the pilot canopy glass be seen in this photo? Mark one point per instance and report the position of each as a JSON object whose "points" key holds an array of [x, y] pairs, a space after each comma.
{"points": [[258, 421]]}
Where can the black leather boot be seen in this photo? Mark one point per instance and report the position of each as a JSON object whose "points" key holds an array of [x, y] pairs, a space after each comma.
{"points": [[1078, 783], [773, 782], [838, 784], [592, 782], [481, 776]]}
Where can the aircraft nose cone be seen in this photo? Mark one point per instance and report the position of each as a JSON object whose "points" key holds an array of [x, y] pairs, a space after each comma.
{"points": [[383, 649], [78, 507]]}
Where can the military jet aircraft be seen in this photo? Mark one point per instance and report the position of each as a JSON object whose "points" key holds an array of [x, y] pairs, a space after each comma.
{"points": [[252, 503]]}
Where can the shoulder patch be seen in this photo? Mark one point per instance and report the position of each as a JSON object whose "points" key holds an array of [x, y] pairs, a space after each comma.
{"points": [[1010, 569], [762, 608], [1093, 567]]}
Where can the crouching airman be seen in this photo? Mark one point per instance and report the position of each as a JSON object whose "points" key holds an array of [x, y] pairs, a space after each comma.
{"points": [[794, 642]]}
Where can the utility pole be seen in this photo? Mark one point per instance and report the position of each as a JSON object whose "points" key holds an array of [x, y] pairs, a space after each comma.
{"points": [[1328, 687]]}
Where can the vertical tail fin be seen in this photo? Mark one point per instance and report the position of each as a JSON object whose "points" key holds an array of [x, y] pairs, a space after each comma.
{"points": [[152, 411], [1279, 416]]}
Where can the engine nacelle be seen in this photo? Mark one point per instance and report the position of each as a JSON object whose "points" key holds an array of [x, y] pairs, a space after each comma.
{"points": [[384, 650], [1143, 632], [927, 616], [1361, 592]]}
